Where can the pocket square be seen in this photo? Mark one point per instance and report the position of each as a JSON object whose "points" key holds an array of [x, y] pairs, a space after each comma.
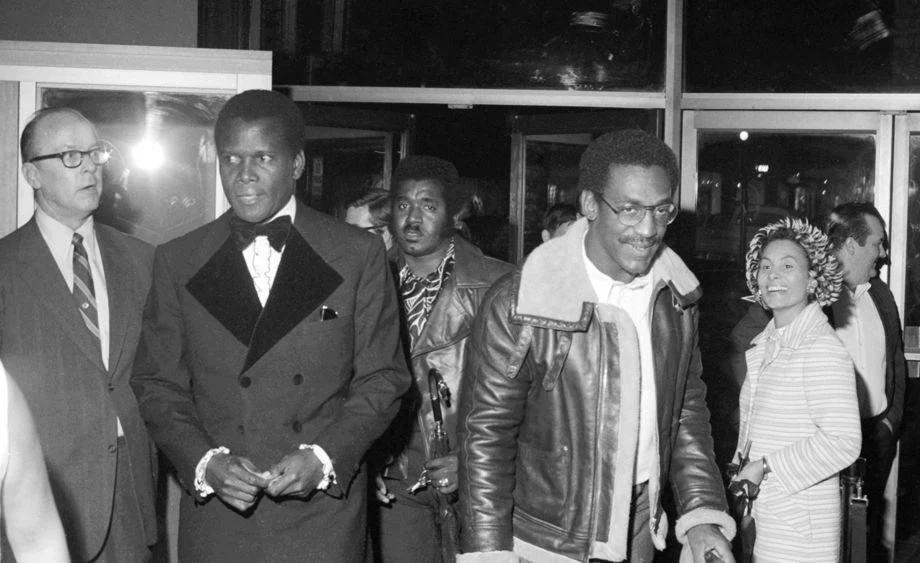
{"points": [[327, 314]]}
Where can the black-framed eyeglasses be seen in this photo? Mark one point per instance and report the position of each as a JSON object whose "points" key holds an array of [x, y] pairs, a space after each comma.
{"points": [[631, 214], [74, 158]]}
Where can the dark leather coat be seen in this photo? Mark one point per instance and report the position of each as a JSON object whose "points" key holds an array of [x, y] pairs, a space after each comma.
{"points": [[442, 345], [539, 420]]}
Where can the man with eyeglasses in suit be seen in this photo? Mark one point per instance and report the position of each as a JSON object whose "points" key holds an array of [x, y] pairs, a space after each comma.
{"points": [[71, 295], [582, 398]]}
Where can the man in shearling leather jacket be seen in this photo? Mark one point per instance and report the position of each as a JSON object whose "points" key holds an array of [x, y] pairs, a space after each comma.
{"points": [[442, 279], [582, 394]]}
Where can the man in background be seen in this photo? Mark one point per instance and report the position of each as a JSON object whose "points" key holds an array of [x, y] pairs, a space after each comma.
{"points": [[371, 212], [71, 295], [270, 357], [867, 321], [442, 279], [557, 220]]}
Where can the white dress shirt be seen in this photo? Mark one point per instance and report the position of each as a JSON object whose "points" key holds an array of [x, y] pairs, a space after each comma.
{"points": [[59, 238], [262, 260], [635, 298], [860, 328]]}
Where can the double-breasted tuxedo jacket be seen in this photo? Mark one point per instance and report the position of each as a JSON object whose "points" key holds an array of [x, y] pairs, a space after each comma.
{"points": [[319, 364], [47, 348]]}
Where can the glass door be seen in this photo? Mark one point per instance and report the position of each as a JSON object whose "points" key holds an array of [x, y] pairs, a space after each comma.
{"points": [[905, 284], [742, 170], [350, 151], [545, 152]]}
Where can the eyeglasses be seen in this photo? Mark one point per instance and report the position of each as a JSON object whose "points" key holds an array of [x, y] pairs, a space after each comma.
{"points": [[74, 158], [631, 215]]}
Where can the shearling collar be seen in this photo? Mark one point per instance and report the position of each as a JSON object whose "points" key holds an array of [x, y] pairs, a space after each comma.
{"points": [[554, 284]]}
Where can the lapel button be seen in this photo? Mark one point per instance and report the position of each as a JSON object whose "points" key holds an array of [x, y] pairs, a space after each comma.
{"points": [[297, 379], [245, 382], [296, 426]]}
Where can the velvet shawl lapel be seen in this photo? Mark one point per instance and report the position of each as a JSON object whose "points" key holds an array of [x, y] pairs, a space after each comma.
{"points": [[225, 288], [42, 277]]}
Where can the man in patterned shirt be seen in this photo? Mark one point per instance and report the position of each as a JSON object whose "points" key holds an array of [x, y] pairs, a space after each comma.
{"points": [[442, 279]]}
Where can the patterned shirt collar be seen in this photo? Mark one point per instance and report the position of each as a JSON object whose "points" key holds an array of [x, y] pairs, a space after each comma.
{"points": [[419, 294]]}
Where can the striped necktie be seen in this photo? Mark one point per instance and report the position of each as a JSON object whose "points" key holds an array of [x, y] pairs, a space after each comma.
{"points": [[83, 292]]}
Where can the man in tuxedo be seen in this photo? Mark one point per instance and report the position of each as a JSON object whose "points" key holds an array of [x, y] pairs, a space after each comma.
{"points": [[269, 359], [71, 296]]}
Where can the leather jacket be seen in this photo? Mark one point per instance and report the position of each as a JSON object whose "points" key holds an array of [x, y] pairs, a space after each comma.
{"points": [[442, 345], [540, 409]]}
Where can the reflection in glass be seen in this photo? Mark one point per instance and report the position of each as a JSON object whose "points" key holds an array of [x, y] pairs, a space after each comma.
{"points": [[340, 170], [742, 186], [793, 46], [161, 180], [551, 178], [912, 294], [545, 44]]}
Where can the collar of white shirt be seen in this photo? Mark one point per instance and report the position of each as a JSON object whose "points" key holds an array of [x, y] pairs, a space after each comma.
{"points": [[604, 284], [59, 237]]}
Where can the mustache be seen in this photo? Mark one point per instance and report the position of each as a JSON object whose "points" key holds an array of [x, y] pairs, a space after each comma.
{"points": [[640, 241]]}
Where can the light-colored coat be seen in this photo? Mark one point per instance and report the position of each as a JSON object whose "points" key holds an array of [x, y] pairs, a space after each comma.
{"points": [[799, 408]]}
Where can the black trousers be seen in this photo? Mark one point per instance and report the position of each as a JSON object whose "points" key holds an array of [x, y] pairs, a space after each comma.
{"points": [[879, 447]]}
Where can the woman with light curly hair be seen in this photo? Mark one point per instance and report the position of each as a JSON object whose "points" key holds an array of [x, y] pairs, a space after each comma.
{"points": [[799, 413]]}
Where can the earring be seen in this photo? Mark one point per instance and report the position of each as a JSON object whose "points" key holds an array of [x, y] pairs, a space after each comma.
{"points": [[812, 286]]}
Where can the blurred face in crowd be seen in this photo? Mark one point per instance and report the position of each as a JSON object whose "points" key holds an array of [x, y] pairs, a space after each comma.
{"points": [[257, 168], [561, 229], [361, 217], [619, 250], [69, 195], [860, 261], [782, 278], [420, 218]]}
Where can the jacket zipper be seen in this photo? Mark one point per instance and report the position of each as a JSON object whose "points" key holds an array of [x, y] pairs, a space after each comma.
{"points": [[598, 412]]}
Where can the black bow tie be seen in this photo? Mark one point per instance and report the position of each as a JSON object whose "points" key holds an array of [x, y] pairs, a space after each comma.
{"points": [[276, 231]]}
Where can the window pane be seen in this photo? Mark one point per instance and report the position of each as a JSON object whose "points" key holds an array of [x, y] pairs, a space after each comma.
{"points": [[794, 46], [162, 178], [912, 295], [340, 170], [742, 186], [551, 180], [585, 45]]}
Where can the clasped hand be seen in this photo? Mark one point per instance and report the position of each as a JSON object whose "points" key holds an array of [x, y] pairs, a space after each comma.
{"points": [[238, 482]]}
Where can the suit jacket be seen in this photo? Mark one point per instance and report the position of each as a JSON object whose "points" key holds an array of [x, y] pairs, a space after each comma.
{"points": [[216, 369], [47, 348], [895, 364]]}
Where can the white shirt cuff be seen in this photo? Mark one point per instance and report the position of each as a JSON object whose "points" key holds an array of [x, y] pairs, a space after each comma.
{"points": [[201, 486], [328, 470]]}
